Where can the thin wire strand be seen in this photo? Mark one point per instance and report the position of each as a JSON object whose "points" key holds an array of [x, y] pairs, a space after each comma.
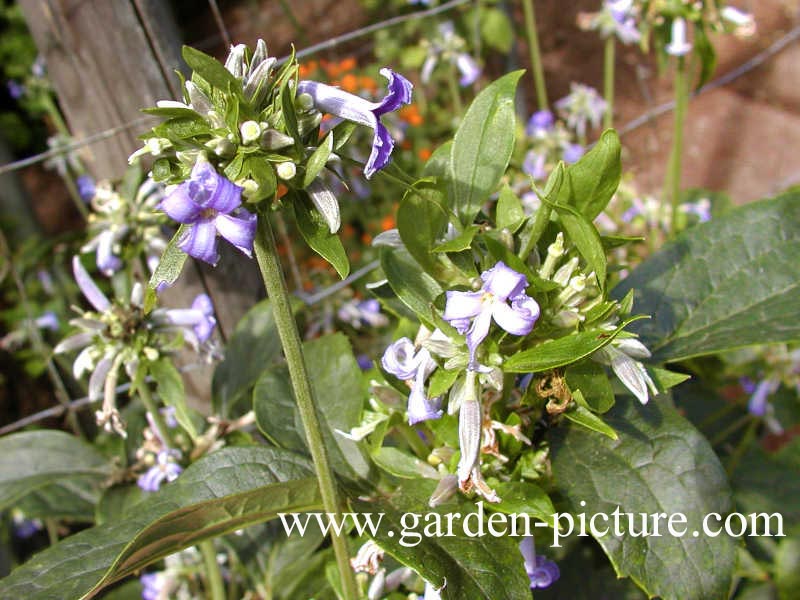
{"points": [[311, 300], [223, 31]]}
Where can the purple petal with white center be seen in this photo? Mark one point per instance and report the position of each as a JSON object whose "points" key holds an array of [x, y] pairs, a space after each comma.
{"points": [[503, 281], [516, 321], [339, 103], [462, 305], [398, 93], [469, 69], [89, 288], [400, 359], [179, 205], [200, 241], [239, 231], [478, 332], [382, 146]]}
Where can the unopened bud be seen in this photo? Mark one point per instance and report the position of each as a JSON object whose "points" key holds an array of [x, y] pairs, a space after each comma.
{"points": [[197, 98], [272, 139], [444, 491], [565, 272], [304, 102], [286, 170], [251, 131]]}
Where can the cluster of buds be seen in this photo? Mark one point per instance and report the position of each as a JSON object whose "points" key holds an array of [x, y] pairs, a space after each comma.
{"points": [[124, 221], [118, 335]]}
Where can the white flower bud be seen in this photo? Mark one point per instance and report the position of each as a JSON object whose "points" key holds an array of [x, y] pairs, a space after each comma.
{"points": [[251, 131], [286, 170]]}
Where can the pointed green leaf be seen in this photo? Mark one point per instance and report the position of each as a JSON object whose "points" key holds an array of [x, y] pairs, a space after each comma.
{"points": [[590, 377], [317, 234], [210, 69], [168, 270], [225, 491], [724, 284], [584, 235], [422, 221], [415, 288], [510, 214], [482, 146], [524, 497], [318, 159], [462, 242], [595, 177], [581, 415], [169, 385], [659, 464]]}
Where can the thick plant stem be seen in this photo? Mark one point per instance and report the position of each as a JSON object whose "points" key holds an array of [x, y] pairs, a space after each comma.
{"points": [[216, 588], [271, 273], [608, 81], [536, 57], [673, 182]]}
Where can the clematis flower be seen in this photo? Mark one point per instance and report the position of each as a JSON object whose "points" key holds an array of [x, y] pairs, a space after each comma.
{"points": [[540, 122], [165, 469], [348, 106], [199, 318], [534, 164], [582, 107], [449, 46], [472, 312], [622, 13], [401, 360], [541, 571], [210, 204], [678, 44]]}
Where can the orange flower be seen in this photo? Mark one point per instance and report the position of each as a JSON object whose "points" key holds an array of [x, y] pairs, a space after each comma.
{"points": [[347, 64], [368, 83], [366, 239], [349, 83], [387, 223], [411, 115], [424, 153]]}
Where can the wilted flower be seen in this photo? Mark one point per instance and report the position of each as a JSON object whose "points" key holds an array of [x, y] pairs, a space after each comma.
{"points": [[348, 106], [210, 204], [621, 356], [541, 571], [472, 312]]}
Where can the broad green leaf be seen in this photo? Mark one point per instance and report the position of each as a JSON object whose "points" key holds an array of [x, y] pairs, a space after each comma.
{"points": [[168, 270], [509, 213], [210, 69], [665, 379], [403, 465], [339, 394], [252, 349], [223, 492], [263, 173], [181, 128], [584, 235], [474, 567], [496, 30], [422, 221], [72, 499], [561, 351], [728, 283], [518, 497], [441, 381], [317, 234], [595, 177], [316, 162], [438, 164], [787, 568], [590, 377], [169, 384], [461, 242], [116, 503], [582, 416], [31, 460], [659, 464], [482, 146], [415, 288]]}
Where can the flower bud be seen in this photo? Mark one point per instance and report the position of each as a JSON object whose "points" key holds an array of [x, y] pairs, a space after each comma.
{"points": [[304, 102], [286, 170], [272, 139], [251, 131], [444, 491]]}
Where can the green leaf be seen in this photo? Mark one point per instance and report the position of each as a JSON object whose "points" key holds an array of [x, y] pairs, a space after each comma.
{"points": [[169, 384], [276, 410], [317, 234], [496, 30], [462, 241], [253, 348], [223, 492], [728, 283], [659, 464], [181, 128], [482, 146], [438, 164], [318, 159], [787, 568], [168, 270], [263, 173], [510, 214], [595, 177], [581, 415], [665, 379], [210, 69], [117, 501], [403, 465], [473, 567], [441, 381], [524, 497], [415, 288], [590, 377], [31, 460], [289, 113], [421, 222], [584, 235], [561, 351], [704, 49], [72, 499]]}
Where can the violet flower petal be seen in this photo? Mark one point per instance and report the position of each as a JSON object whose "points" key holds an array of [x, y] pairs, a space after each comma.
{"points": [[200, 241], [503, 281], [89, 288], [239, 231], [462, 305], [517, 321], [179, 205]]}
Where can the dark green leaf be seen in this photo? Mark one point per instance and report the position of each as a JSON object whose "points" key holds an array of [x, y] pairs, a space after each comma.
{"points": [[518, 497], [169, 384], [116, 503], [787, 568], [168, 270], [584, 235], [401, 464], [724, 284], [316, 162], [414, 287], [580, 414], [461, 242], [591, 379], [496, 30], [210, 69], [223, 492], [482, 146], [561, 351], [181, 128], [473, 567], [510, 214], [595, 177], [422, 221], [34, 459], [659, 464], [317, 234], [72, 499]]}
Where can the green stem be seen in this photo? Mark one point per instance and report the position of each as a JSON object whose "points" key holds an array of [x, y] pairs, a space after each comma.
{"points": [[151, 407], [271, 273], [413, 440], [673, 182], [215, 585], [534, 230], [476, 42], [455, 93], [52, 531], [536, 55], [747, 440], [608, 80]]}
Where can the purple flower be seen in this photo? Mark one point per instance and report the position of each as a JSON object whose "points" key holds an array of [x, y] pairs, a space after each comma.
{"points": [[48, 320], [107, 262], [533, 164], [365, 363], [152, 585], [89, 288], [469, 69], [541, 571], [472, 312], [622, 12], [86, 187], [748, 385], [572, 153], [348, 106], [15, 90], [540, 122], [759, 400], [200, 317], [165, 469], [210, 204], [401, 360]]}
